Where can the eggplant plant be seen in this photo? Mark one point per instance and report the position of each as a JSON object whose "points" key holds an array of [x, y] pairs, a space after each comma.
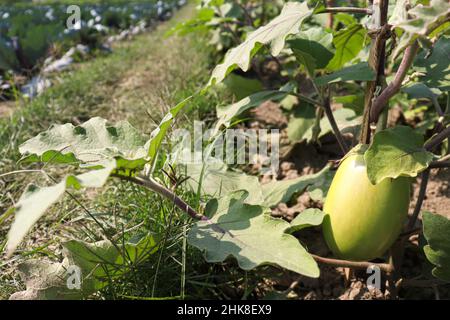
{"points": [[378, 52]]}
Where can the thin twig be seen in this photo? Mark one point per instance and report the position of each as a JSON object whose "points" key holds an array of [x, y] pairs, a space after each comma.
{"points": [[437, 139], [334, 126], [420, 198], [305, 98], [352, 264], [437, 106], [330, 20], [22, 171], [381, 101], [444, 158], [439, 164], [154, 186]]}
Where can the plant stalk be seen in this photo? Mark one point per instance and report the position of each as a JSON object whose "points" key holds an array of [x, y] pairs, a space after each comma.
{"points": [[352, 264], [163, 191], [345, 10], [437, 139], [381, 101], [334, 126], [420, 199], [376, 62]]}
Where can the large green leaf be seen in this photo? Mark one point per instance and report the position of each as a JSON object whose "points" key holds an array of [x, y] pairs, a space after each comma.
{"points": [[309, 218], [273, 34], [348, 43], [396, 152], [436, 229], [313, 48], [98, 264], [36, 200], [436, 67], [357, 72], [89, 144], [250, 235]]}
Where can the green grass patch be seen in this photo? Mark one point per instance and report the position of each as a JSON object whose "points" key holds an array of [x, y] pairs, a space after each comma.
{"points": [[139, 81]]}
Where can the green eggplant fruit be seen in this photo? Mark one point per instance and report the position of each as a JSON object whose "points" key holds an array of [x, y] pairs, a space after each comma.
{"points": [[363, 220]]}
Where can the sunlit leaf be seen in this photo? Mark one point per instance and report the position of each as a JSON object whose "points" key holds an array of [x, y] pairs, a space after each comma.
{"points": [[272, 34], [250, 235], [399, 13], [89, 144], [352, 101], [319, 189], [36, 200], [423, 18]]}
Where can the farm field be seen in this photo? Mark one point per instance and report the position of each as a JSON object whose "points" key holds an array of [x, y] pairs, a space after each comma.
{"points": [[229, 149]]}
